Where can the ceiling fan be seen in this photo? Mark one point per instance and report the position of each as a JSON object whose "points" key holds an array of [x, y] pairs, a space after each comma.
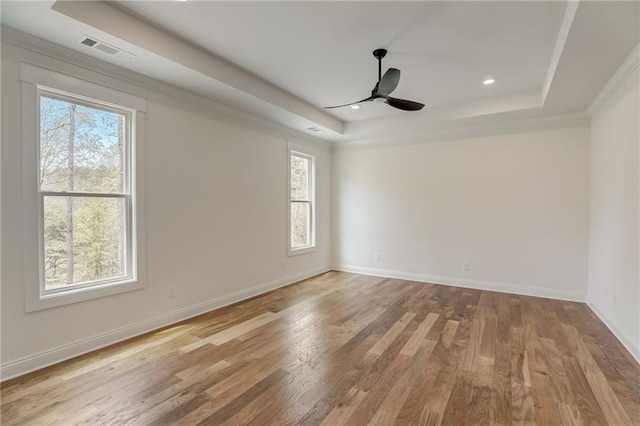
{"points": [[386, 84]]}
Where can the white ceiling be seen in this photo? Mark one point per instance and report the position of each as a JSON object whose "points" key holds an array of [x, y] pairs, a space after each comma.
{"points": [[284, 61], [321, 51]]}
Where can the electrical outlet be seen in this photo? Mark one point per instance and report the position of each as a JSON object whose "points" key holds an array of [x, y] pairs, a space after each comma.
{"points": [[377, 257], [614, 298], [466, 266], [172, 292]]}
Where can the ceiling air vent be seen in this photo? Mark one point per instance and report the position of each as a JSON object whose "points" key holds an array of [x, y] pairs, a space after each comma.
{"points": [[88, 42], [105, 48]]}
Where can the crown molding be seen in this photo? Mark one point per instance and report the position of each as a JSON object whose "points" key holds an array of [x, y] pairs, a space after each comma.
{"points": [[627, 70], [452, 130], [78, 60], [457, 131], [561, 40], [119, 23]]}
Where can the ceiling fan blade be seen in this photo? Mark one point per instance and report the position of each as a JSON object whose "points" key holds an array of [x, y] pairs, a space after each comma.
{"points": [[404, 104], [388, 82], [370, 98]]}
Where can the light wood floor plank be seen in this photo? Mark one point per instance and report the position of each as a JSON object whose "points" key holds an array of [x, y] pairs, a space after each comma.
{"points": [[348, 349]]}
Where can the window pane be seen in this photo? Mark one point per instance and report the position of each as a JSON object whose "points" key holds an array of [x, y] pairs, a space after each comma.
{"points": [[299, 178], [81, 148], [84, 240], [300, 220]]}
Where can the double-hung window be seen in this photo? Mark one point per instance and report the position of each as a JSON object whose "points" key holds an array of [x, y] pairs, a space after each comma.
{"points": [[85, 193], [85, 188], [302, 201]]}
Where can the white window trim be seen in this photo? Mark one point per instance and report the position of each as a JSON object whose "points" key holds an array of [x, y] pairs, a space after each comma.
{"points": [[293, 148], [32, 79]]}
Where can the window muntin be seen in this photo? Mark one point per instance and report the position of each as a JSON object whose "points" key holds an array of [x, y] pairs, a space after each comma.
{"points": [[84, 193], [301, 208]]}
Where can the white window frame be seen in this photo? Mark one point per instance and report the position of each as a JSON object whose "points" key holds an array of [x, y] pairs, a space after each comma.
{"points": [[38, 81], [311, 155]]}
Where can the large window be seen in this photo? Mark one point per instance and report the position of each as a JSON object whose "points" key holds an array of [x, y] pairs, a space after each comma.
{"points": [[301, 205], [80, 163], [85, 197]]}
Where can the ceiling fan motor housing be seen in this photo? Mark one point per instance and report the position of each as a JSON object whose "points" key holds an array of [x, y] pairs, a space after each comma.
{"points": [[380, 53]]}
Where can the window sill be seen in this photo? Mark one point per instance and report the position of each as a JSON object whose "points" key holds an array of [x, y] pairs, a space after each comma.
{"points": [[46, 301], [295, 252]]}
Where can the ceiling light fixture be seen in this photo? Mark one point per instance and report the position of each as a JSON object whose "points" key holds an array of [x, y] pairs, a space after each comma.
{"points": [[489, 81], [355, 106]]}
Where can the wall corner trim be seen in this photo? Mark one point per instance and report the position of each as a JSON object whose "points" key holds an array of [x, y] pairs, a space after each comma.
{"points": [[629, 346], [44, 359], [524, 290]]}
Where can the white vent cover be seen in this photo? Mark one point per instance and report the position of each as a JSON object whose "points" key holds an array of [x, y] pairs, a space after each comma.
{"points": [[105, 48]]}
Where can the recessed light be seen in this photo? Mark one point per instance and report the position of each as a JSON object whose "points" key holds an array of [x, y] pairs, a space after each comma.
{"points": [[489, 81], [355, 106], [314, 129]]}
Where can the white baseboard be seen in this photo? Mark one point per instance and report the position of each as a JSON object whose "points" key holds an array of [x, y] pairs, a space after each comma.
{"points": [[550, 293], [628, 344], [53, 356]]}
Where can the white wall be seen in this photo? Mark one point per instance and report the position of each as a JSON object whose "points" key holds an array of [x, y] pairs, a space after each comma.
{"points": [[215, 222], [614, 270], [514, 206]]}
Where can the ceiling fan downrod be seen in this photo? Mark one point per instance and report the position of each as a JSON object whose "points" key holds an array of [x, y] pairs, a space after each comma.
{"points": [[379, 54]]}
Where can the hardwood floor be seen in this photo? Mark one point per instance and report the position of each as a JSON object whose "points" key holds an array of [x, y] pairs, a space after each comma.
{"points": [[350, 349]]}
